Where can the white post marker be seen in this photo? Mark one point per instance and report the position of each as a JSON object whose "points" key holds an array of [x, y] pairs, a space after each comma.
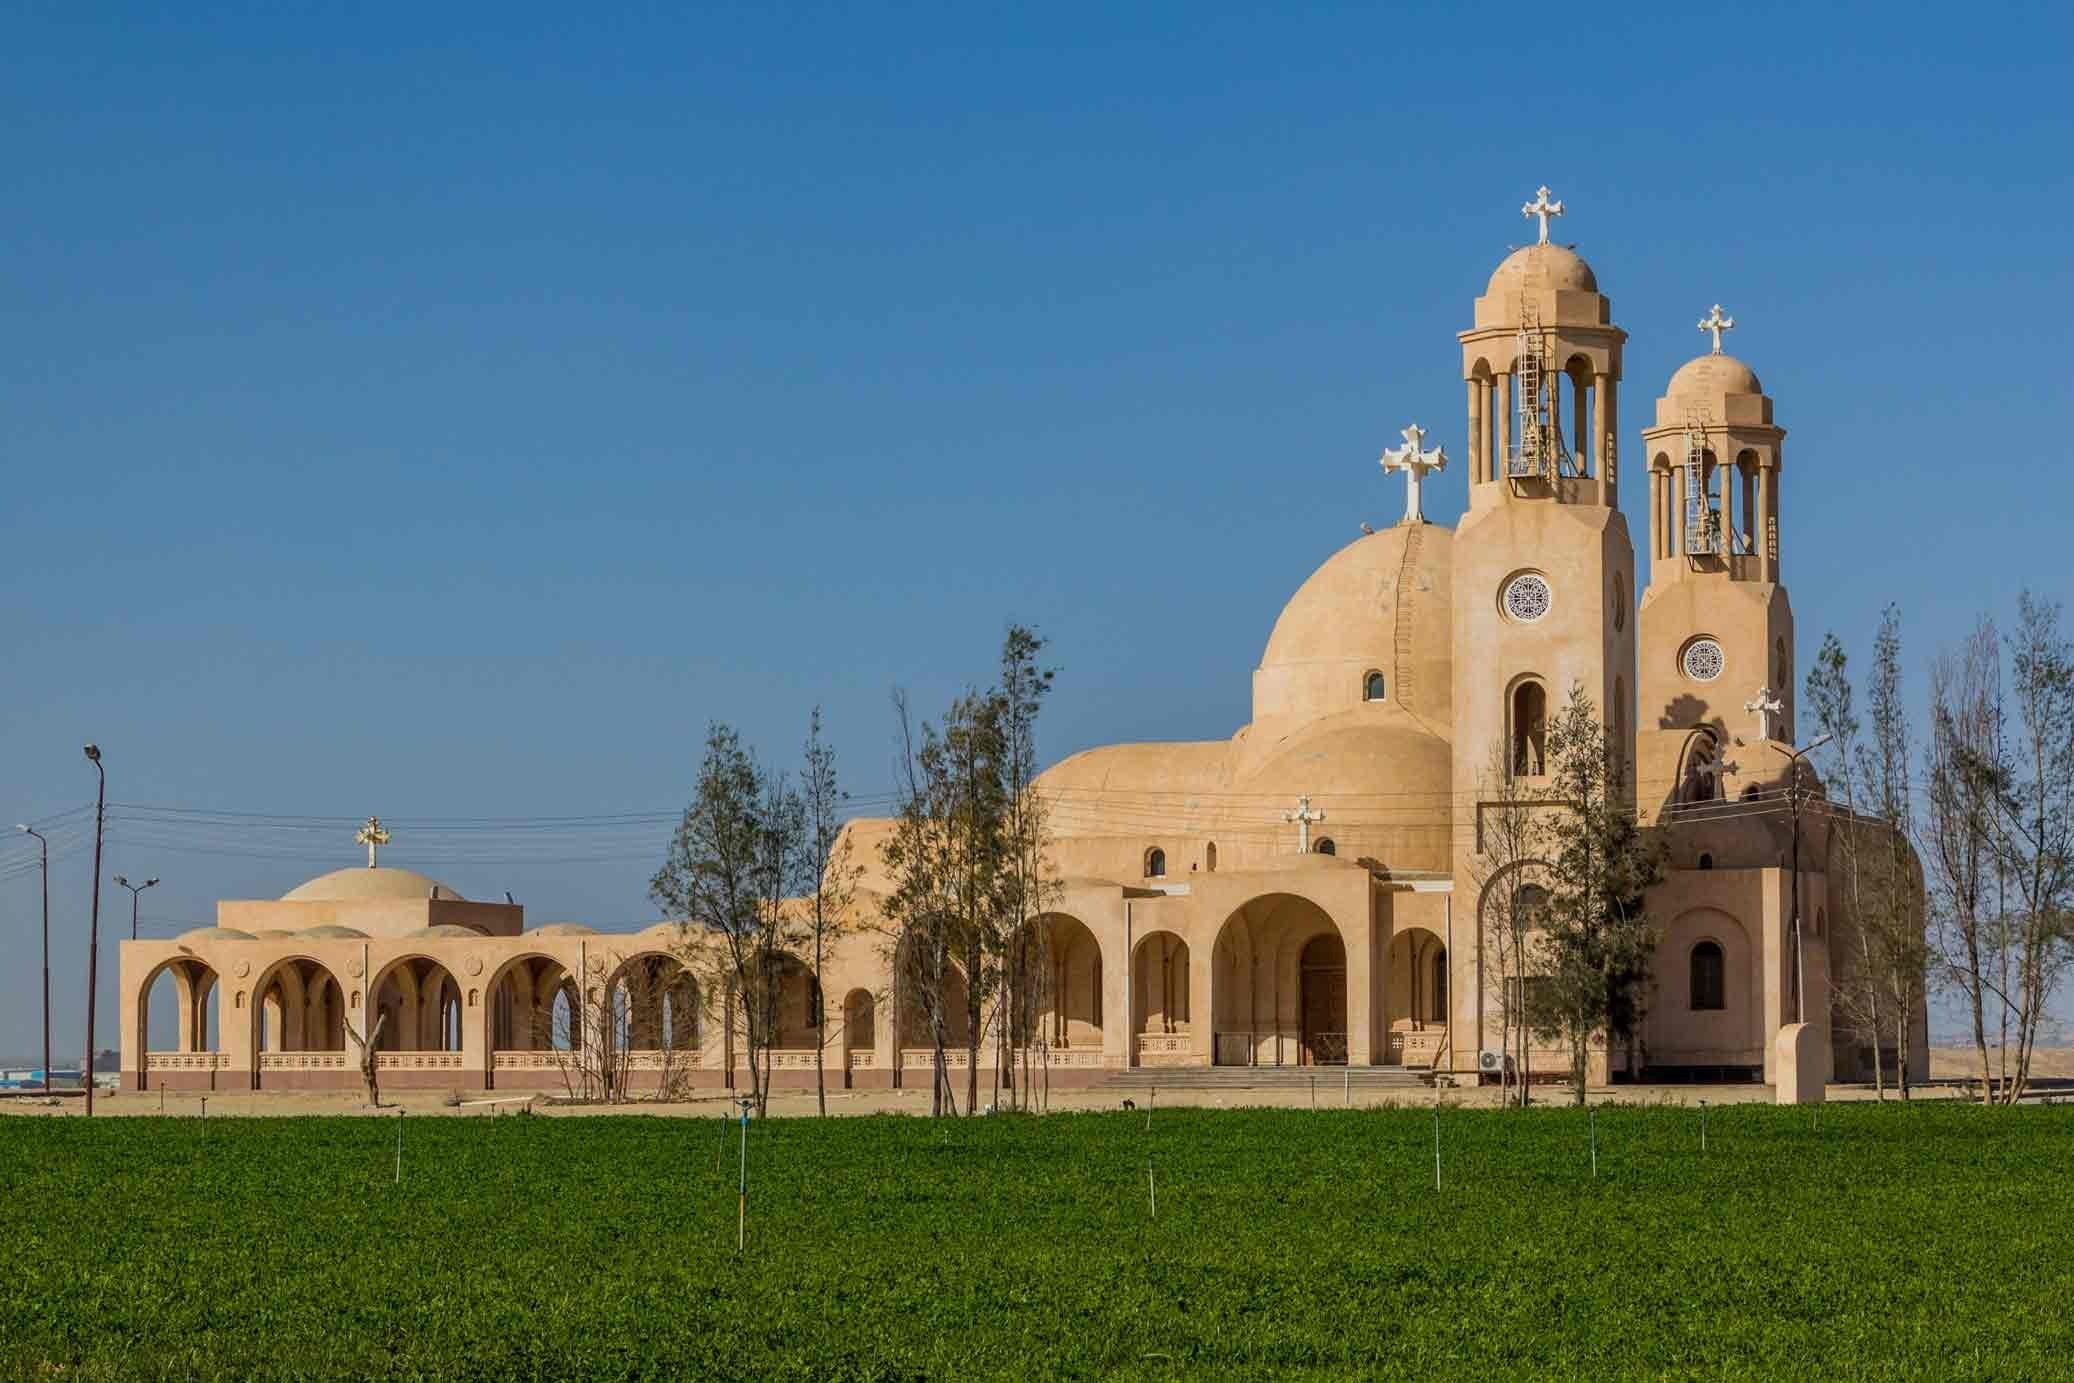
{"points": [[1436, 1145], [742, 1206], [1591, 1117], [399, 1147], [1703, 1128]]}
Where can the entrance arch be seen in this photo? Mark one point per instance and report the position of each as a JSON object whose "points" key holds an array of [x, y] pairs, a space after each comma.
{"points": [[1159, 999], [418, 1003], [1275, 998], [184, 994]]}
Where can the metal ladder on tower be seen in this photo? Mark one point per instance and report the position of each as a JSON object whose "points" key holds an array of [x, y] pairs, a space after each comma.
{"points": [[1528, 463], [1702, 523]]}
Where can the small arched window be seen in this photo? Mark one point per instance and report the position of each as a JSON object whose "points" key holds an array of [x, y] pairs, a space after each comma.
{"points": [[1708, 975], [1529, 729], [1821, 921], [1372, 687], [1210, 858], [1706, 860], [1325, 846], [1155, 863]]}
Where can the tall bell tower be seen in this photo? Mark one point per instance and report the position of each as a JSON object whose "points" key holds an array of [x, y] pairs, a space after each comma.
{"points": [[1543, 566], [1716, 626]]}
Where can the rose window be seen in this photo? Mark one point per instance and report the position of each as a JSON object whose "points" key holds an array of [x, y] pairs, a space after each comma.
{"points": [[1703, 660], [1528, 597]]}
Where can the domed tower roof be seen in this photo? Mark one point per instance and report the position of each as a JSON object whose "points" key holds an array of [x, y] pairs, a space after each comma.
{"points": [[357, 884], [1711, 378], [1542, 268], [1381, 604]]}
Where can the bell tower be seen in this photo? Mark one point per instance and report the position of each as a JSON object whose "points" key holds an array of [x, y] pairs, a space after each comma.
{"points": [[1716, 625], [1543, 566]]}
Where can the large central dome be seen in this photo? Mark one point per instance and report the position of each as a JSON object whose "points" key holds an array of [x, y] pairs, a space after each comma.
{"points": [[357, 885], [1381, 604]]}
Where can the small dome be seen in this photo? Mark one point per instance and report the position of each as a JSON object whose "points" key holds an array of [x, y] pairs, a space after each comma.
{"points": [[444, 931], [564, 929], [271, 934], [1540, 268], [217, 934], [331, 931], [352, 885], [1713, 377]]}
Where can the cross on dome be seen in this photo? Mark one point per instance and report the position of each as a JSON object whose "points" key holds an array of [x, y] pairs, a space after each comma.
{"points": [[374, 836], [1717, 324], [1543, 208], [1414, 461], [1764, 707], [1303, 816]]}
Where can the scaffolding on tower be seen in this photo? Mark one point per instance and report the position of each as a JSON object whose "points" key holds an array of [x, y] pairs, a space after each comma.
{"points": [[1539, 453], [1702, 519]]}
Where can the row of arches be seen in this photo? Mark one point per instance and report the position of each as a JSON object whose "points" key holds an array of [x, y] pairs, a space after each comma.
{"points": [[1577, 399]]}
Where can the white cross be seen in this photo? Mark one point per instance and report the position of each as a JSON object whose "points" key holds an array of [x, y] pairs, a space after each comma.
{"points": [[1543, 208], [1414, 462], [1717, 324], [1764, 707], [373, 837], [1303, 816]]}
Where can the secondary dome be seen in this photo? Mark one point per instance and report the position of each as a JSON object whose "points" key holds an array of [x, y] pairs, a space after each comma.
{"points": [[217, 934], [1384, 781], [1343, 625], [1539, 268], [353, 885], [1712, 377]]}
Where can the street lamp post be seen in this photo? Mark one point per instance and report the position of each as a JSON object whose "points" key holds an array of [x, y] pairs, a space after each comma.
{"points": [[135, 890], [45, 844], [93, 944], [1796, 798]]}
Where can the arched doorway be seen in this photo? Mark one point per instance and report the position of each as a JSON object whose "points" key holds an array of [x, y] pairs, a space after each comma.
{"points": [[1276, 998], [860, 1028], [1418, 996], [1323, 969], [417, 1002], [178, 1026]]}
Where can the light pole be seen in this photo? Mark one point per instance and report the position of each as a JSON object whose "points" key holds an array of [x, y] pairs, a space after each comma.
{"points": [[30, 831], [93, 943], [135, 890], [1796, 797]]}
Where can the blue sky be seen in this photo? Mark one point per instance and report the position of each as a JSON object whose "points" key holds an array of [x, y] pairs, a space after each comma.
{"points": [[444, 412]]}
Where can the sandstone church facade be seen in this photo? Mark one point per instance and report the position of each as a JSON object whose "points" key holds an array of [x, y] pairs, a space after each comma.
{"points": [[1311, 891]]}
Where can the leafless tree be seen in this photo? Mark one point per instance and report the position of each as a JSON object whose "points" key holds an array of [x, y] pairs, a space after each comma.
{"points": [[1506, 866], [833, 874], [1958, 832], [370, 1069]]}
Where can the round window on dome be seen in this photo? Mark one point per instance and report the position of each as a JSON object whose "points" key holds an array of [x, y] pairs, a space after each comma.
{"points": [[1527, 597], [1702, 660]]}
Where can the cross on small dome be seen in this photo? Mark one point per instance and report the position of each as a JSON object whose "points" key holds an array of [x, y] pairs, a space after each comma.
{"points": [[1717, 324], [1543, 208]]}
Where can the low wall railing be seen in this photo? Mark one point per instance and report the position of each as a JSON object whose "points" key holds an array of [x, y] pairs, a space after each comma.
{"points": [[187, 1061], [304, 1061]]}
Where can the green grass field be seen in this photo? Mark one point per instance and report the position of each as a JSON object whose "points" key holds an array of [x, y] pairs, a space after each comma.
{"points": [[1929, 1242]]}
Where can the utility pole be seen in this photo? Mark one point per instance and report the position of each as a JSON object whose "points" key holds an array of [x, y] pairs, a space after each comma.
{"points": [[93, 944], [135, 889], [45, 844], [1796, 798]]}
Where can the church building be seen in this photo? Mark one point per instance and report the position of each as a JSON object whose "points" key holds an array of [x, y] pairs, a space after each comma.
{"points": [[1315, 890]]}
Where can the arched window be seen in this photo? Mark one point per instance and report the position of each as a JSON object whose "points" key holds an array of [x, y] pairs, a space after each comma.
{"points": [[1529, 729], [1210, 858], [1439, 1013], [1155, 863], [1372, 687], [1708, 974], [1325, 846], [1706, 860]]}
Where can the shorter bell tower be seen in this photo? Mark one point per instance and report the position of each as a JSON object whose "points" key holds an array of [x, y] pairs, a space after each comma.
{"points": [[1716, 628]]}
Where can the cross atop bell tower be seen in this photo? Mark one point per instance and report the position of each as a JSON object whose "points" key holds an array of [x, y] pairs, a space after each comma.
{"points": [[1543, 208], [1717, 324]]}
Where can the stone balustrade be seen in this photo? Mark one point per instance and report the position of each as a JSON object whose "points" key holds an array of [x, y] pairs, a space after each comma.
{"points": [[187, 1061]]}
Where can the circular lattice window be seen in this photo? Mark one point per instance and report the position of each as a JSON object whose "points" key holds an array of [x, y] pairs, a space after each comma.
{"points": [[1527, 597], [1703, 661]]}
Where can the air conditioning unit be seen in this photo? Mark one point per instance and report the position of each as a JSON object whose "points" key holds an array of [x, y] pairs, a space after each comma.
{"points": [[1491, 1062]]}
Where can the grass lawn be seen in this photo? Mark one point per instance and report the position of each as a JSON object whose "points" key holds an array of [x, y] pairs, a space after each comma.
{"points": [[1867, 1241]]}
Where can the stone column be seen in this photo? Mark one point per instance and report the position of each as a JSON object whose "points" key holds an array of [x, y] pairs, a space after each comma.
{"points": [[1600, 433], [1476, 432], [1584, 445], [1768, 559], [475, 1029], [1117, 1028], [1501, 390]]}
